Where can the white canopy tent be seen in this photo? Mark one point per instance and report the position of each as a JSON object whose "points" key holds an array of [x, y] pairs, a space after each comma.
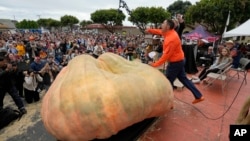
{"points": [[242, 30]]}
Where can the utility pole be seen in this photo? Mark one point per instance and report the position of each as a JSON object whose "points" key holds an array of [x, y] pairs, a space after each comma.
{"points": [[39, 16]]}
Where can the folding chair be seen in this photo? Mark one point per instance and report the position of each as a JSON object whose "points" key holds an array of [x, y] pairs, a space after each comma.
{"points": [[242, 69], [222, 75]]}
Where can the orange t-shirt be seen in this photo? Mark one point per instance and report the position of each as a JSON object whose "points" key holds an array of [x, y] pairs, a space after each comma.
{"points": [[172, 49], [21, 50]]}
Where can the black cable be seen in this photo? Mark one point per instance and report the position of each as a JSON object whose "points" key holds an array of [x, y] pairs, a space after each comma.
{"points": [[223, 113]]}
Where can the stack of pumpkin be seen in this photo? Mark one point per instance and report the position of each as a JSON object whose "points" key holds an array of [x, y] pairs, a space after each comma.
{"points": [[96, 98]]}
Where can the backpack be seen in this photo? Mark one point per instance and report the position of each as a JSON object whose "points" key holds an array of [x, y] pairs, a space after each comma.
{"points": [[8, 115]]}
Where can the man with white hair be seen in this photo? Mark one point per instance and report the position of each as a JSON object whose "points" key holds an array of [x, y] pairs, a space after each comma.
{"points": [[235, 53]]}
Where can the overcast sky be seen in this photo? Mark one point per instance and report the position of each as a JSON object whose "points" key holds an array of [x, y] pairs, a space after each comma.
{"points": [[33, 9]]}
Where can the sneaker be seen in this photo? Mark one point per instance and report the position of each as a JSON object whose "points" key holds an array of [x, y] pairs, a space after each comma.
{"points": [[196, 80], [195, 77], [198, 100], [23, 111]]}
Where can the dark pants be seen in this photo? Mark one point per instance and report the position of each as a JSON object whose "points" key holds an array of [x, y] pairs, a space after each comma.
{"points": [[20, 89], [95, 56], [12, 91], [31, 96], [177, 70], [129, 56], [206, 71]]}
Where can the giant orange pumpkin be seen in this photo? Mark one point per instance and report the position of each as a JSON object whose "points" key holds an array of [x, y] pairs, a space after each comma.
{"points": [[96, 98]]}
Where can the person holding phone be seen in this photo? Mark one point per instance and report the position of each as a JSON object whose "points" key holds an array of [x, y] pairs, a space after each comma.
{"points": [[30, 85]]}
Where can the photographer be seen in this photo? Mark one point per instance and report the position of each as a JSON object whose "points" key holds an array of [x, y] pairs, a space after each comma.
{"points": [[179, 24], [32, 48], [54, 66], [47, 76], [31, 90], [129, 51], [64, 61], [7, 85]]}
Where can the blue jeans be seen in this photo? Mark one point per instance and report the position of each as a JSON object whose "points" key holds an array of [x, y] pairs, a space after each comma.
{"points": [[177, 70]]}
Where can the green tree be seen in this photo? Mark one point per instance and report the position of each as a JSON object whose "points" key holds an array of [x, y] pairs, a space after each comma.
{"points": [[109, 18], [69, 20], [27, 24], [49, 23], [43, 23], [140, 17], [85, 22], [157, 15], [145, 15], [178, 7], [54, 23], [214, 13]]}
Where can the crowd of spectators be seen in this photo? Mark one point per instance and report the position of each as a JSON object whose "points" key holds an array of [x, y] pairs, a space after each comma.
{"points": [[31, 61]]}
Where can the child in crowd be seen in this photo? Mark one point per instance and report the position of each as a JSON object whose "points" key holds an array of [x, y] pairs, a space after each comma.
{"points": [[220, 63]]}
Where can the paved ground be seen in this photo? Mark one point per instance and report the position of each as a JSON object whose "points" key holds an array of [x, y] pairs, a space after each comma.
{"points": [[28, 128], [37, 132]]}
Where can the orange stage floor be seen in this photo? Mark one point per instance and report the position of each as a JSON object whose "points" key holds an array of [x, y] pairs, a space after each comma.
{"points": [[208, 120]]}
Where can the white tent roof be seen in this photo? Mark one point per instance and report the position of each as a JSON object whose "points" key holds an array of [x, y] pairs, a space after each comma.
{"points": [[242, 30]]}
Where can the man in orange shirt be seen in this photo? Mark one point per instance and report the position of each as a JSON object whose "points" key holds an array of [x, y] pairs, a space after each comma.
{"points": [[174, 55]]}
